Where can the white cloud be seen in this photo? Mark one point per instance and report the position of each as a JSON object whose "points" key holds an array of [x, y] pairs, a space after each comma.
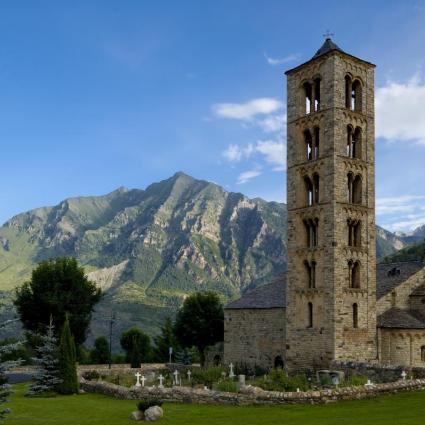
{"points": [[400, 111], [280, 61], [247, 111], [406, 225], [234, 153], [273, 152], [406, 203], [247, 176], [273, 123]]}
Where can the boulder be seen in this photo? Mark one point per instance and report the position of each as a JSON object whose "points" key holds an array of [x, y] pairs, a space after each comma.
{"points": [[136, 415], [153, 414]]}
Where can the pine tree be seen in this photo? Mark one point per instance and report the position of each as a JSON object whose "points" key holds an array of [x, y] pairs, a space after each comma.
{"points": [[164, 341], [5, 388], [46, 378], [67, 362]]}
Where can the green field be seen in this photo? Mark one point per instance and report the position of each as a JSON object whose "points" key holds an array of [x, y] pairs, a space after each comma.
{"points": [[93, 409]]}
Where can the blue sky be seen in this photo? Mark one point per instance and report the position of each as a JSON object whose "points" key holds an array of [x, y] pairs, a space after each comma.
{"points": [[100, 94]]}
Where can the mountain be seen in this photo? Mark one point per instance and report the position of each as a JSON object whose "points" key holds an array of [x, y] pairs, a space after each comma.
{"points": [[415, 252], [149, 248]]}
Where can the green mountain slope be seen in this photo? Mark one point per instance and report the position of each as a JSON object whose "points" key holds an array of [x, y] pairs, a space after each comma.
{"points": [[149, 248]]}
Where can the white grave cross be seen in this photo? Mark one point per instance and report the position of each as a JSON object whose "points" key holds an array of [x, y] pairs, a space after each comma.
{"points": [[138, 375], [161, 380], [143, 380], [231, 373], [403, 375], [189, 374], [176, 377]]}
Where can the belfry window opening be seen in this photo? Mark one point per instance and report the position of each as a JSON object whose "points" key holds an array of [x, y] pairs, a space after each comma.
{"points": [[354, 233], [354, 274], [310, 273], [312, 230], [312, 96]]}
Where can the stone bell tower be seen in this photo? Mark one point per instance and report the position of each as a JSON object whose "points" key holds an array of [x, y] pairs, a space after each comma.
{"points": [[331, 211]]}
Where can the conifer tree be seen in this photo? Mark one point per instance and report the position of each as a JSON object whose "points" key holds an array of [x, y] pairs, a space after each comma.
{"points": [[46, 378], [5, 365], [164, 341], [67, 362]]}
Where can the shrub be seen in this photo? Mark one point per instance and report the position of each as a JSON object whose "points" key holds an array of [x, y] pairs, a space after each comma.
{"points": [[354, 381], [208, 376], [143, 405], [91, 375], [278, 380], [227, 385]]}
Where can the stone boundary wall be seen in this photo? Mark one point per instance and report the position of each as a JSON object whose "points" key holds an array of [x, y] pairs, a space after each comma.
{"points": [[250, 395], [145, 368], [378, 373]]}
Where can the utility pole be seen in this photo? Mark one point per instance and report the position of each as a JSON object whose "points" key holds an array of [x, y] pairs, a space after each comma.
{"points": [[111, 324]]}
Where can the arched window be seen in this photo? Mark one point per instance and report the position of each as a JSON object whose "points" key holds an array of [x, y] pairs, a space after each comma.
{"points": [[310, 269], [354, 232], [355, 316], [311, 228], [356, 96], [308, 144], [353, 274], [348, 90], [350, 179], [310, 315], [357, 190], [349, 141], [309, 191], [316, 186], [354, 185], [316, 142], [308, 95], [278, 362], [317, 94], [423, 353], [357, 144]]}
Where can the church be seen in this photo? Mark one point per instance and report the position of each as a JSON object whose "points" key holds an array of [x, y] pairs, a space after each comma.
{"points": [[334, 303]]}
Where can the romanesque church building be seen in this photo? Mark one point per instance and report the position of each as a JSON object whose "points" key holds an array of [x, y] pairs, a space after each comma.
{"points": [[334, 302]]}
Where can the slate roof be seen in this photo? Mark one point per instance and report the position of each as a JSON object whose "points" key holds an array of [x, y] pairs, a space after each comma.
{"points": [[270, 295], [420, 290], [389, 276], [401, 319], [327, 46]]}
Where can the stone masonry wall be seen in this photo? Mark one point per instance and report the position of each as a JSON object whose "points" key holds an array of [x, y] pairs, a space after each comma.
{"points": [[378, 373], [402, 347], [332, 334], [251, 395], [254, 336]]}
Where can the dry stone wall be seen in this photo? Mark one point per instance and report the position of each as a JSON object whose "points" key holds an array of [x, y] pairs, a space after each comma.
{"points": [[251, 395]]}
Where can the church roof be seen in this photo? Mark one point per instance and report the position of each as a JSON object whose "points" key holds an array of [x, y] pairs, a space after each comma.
{"points": [[401, 319], [419, 291], [270, 295], [327, 46], [389, 276]]}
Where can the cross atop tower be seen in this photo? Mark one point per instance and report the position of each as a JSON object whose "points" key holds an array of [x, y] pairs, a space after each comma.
{"points": [[328, 34]]}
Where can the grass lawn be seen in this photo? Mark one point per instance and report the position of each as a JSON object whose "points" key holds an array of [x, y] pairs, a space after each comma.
{"points": [[93, 409]]}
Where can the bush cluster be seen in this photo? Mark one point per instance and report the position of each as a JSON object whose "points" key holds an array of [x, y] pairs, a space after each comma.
{"points": [[143, 405], [278, 380], [227, 385], [207, 376], [91, 375]]}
